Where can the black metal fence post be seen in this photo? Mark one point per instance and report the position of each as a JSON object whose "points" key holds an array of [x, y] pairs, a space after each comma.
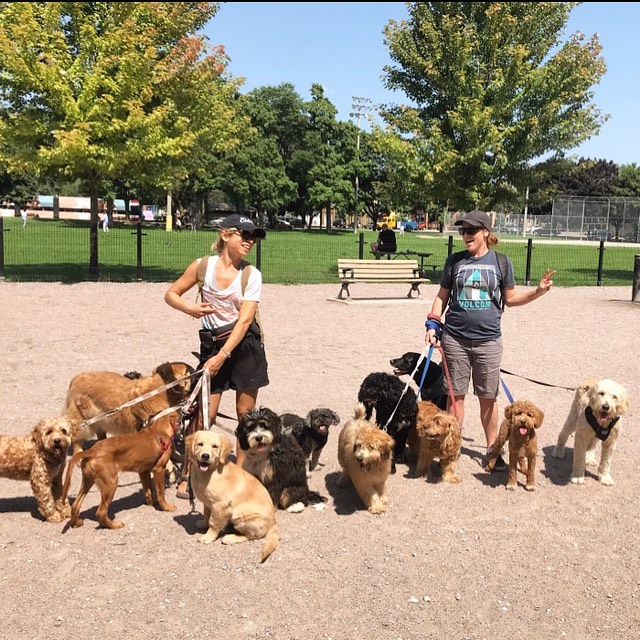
{"points": [[450, 246], [635, 294], [600, 262], [527, 274], [259, 255], [139, 235], [2, 248], [361, 245]]}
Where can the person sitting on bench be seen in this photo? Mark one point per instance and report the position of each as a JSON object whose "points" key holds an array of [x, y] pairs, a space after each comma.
{"points": [[386, 242]]}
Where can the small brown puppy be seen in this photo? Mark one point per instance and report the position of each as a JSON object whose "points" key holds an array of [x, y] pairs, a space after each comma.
{"points": [[146, 452], [365, 453], [40, 458], [521, 421], [229, 494], [440, 437]]}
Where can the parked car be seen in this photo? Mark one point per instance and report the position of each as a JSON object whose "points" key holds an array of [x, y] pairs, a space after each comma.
{"points": [[409, 225], [281, 224]]}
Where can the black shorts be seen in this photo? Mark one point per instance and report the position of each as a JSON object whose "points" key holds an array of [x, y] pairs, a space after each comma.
{"points": [[245, 369]]}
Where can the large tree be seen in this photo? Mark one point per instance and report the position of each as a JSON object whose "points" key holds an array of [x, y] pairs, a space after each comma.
{"points": [[107, 90], [492, 86]]}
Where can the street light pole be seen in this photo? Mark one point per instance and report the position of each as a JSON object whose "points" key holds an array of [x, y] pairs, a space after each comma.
{"points": [[360, 106]]}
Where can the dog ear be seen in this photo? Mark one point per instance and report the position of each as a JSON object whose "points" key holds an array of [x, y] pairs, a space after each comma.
{"points": [[225, 449], [507, 411], [189, 445], [624, 402], [335, 418], [36, 434], [539, 416]]}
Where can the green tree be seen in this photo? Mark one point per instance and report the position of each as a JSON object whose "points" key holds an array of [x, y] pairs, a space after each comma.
{"points": [[104, 90], [492, 87]]}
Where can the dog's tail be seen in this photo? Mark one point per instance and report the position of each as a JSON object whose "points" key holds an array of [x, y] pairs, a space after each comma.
{"points": [[270, 542], [360, 411], [67, 478]]}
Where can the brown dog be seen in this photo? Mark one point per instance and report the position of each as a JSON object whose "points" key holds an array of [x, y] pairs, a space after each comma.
{"points": [[146, 452], [40, 458], [229, 494], [440, 437], [93, 393], [365, 453], [521, 421]]}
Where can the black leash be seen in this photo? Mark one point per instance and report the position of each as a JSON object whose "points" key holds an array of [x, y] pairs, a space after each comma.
{"points": [[544, 384]]}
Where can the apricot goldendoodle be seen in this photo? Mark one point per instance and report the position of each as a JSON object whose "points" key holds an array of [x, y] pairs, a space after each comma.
{"points": [[594, 416], [439, 437], [40, 457], [365, 454], [521, 422]]}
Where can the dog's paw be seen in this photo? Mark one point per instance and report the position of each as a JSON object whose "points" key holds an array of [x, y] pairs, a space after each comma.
{"points": [[577, 479], [296, 507], [55, 517], [452, 479], [510, 487], [208, 537], [377, 508], [558, 452], [530, 487], [606, 480]]}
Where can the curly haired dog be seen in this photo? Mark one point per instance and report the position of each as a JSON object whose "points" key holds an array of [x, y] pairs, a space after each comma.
{"points": [[276, 459], [522, 419], [433, 388], [439, 437], [40, 458], [229, 494], [383, 392], [364, 453], [594, 416], [146, 452], [311, 432], [93, 393]]}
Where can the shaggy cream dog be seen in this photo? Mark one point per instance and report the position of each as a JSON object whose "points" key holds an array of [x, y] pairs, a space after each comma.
{"points": [[229, 494], [595, 415], [365, 453], [40, 457]]}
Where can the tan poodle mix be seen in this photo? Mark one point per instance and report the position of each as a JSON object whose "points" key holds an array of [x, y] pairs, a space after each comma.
{"points": [[439, 437], [365, 454], [594, 416], [229, 494], [521, 422], [40, 457], [93, 393], [145, 453]]}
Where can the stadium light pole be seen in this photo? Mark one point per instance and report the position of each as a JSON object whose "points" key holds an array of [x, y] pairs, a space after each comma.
{"points": [[360, 107]]}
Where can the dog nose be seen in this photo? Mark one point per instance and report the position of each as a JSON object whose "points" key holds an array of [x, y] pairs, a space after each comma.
{"points": [[605, 406], [56, 441], [258, 438], [205, 456]]}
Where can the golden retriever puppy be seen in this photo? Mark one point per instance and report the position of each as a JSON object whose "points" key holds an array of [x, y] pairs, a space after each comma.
{"points": [[594, 416], [521, 421], [40, 458], [146, 452], [439, 435], [93, 393], [365, 454], [229, 494]]}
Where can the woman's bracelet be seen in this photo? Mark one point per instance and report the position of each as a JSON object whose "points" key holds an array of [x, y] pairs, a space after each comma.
{"points": [[226, 353]]}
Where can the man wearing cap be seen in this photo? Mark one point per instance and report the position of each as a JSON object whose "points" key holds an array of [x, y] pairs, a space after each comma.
{"points": [[230, 339], [472, 286]]}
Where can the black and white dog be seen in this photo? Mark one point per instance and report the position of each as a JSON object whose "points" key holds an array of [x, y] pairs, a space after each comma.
{"points": [[311, 432], [433, 387], [276, 459], [383, 392]]}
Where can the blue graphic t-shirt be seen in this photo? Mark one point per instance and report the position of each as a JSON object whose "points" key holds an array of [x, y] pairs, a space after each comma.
{"points": [[474, 310]]}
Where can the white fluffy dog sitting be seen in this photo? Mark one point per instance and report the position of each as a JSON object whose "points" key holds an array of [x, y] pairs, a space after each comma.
{"points": [[595, 415], [365, 454]]}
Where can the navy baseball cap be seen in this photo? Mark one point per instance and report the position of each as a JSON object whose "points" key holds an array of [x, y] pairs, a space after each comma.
{"points": [[242, 223]]}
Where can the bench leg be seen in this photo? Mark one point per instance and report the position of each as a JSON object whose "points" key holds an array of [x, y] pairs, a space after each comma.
{"points": [[344, 289], [416, 288]]}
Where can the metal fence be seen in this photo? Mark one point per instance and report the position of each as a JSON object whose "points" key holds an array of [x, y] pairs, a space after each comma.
{"points": [[48, 250]]}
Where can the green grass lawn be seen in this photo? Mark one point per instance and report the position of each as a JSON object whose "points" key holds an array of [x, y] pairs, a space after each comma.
{"points": [[59, 251]]}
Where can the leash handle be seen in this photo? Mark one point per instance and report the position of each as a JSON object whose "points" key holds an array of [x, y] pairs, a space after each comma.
{"points": [[449, 385]]}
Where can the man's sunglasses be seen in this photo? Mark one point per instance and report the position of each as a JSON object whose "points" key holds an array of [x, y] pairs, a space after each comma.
{"points": [[470, 230]]}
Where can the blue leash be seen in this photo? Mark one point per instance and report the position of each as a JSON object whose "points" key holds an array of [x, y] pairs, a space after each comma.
{"points": [[424, 372], [506, 390]]}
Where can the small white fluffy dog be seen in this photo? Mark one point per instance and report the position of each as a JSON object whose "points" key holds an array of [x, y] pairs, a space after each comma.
{"points": [[595, 415]]}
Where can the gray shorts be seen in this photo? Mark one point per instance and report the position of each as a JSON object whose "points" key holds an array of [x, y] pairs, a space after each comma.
{"points": [[470, 359]]}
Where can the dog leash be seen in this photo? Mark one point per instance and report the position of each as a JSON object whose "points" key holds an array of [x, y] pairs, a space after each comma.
{"points": [[506, 389], [424, 371], [544, 384], [454, 406]]}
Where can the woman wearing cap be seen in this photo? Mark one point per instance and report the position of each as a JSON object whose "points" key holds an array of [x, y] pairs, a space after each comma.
{"points": [[228, 305], [471, 289]]}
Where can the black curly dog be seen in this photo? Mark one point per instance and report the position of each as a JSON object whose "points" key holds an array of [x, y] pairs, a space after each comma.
{"points": [[311, 432], [433, 387], [276, 459], [382, 391]]}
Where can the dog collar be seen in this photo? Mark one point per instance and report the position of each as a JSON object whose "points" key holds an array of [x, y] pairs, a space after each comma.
{"points": [[602, 433]]}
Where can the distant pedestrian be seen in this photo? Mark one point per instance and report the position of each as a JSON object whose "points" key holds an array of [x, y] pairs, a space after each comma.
{"points": [[105, 222], [23, 215]]}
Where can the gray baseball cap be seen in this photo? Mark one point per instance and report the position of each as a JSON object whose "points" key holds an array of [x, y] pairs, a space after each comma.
{"points": [[477, 218]]}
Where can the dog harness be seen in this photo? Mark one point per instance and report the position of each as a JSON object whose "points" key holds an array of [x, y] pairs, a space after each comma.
{"points": [[602, 433]]}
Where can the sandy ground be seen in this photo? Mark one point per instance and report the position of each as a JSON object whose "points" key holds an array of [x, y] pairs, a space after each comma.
{"points": [[446, 561]]}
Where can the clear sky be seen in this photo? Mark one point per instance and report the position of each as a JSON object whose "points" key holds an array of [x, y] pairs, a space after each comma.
{"points": [[340, 45]]}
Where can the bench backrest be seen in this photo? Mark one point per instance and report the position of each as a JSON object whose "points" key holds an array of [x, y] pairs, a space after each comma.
{"points": [[378, 269]]}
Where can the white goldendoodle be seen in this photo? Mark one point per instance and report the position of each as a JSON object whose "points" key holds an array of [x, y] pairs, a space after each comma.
{"points": [[595, 415]]}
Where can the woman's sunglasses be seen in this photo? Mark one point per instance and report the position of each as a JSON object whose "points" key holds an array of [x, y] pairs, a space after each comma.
{"points": [[470, 230], [247, 235]]}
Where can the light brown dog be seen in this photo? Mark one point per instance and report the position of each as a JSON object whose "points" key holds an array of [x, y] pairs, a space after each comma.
{"points": [[522, 419], [40, 458], [146, 452], [365, 453], [229, 494], [93, 393], [594, 417], [439, 436]]}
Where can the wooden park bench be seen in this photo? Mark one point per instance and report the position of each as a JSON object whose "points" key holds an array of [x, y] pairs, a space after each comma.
{"points": [[381, 271]]}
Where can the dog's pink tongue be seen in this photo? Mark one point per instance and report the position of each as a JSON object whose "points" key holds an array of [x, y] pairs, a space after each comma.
{"points": [[603, 416], [523, 431], [203, 467], [323, 427]]}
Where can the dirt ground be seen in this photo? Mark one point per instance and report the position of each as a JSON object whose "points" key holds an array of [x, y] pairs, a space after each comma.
{"points": [[467, 561]]}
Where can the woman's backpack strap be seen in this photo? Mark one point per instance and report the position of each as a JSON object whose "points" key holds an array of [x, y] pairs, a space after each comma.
{"points": [[244, 279], [200, 276]]}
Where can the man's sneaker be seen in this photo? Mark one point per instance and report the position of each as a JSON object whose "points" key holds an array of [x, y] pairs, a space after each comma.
{"points": [[500, 465]]}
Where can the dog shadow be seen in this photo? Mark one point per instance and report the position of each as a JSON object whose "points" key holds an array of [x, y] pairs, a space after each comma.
{"points": [[345, 499], [488, 479], [558, 470], [24, 504]]}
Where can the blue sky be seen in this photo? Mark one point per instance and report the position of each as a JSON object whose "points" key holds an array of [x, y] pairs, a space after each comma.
{"points": [[340, 45]]}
